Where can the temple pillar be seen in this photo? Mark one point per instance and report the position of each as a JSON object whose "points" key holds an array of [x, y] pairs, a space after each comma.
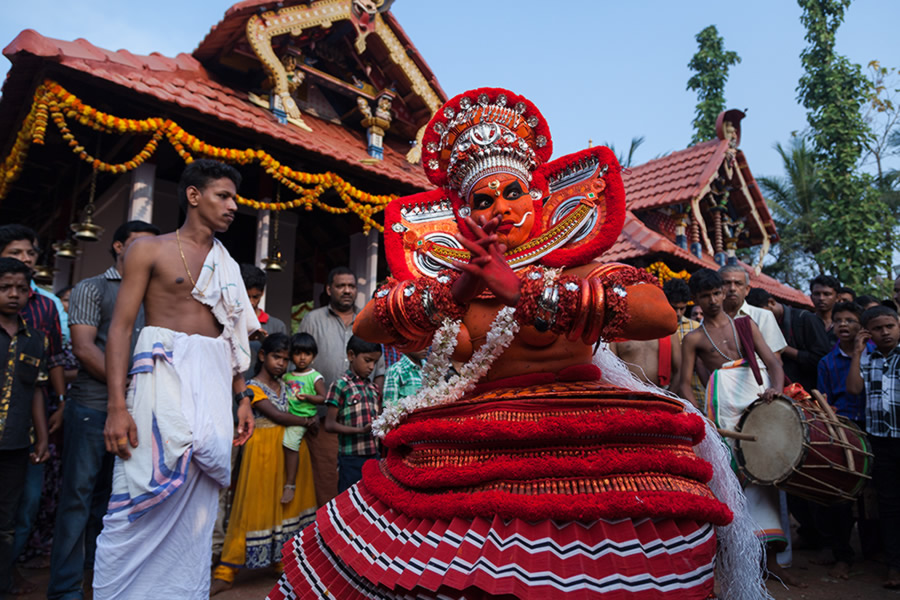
{"points": [[140, 206], [263, 229], [364, 264]]}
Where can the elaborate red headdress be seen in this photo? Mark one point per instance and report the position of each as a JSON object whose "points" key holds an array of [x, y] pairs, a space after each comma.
{"points": [[579, 200]]}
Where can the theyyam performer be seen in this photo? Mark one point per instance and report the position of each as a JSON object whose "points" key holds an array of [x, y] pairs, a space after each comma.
{"points": [[173, 430], [533, 473]]}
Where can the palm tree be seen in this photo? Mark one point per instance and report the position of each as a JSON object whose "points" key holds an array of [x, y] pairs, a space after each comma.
{"points": [[793, 199], [626, 161]]}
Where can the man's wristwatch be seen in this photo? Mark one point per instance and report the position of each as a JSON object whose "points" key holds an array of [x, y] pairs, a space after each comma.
{"points": [[247, 393]]}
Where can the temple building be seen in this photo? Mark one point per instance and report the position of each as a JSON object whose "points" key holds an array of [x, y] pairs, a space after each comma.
{"points": [[696, 208], [321, 105], [318, 104]]}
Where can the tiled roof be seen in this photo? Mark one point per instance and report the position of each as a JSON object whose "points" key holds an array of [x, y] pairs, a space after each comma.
{"points": [[638, 240], [182, 80], [672, 179]]}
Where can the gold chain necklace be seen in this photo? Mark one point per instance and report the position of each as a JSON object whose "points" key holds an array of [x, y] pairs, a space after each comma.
{"points": [[188, 271]]}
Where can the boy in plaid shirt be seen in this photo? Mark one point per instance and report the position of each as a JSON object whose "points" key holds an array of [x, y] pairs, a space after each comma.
{"points": [[877, 373], [353, 403]]}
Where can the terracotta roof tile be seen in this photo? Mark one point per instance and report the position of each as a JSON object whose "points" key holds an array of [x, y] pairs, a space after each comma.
{"points": [[637, 240], [672, 179], [185, 82]]}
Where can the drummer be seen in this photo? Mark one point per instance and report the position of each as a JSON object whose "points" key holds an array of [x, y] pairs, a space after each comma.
{"points": [[731, 350]]}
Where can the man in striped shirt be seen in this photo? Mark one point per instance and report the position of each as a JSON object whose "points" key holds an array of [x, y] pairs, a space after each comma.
{"points": [[87, 466]]}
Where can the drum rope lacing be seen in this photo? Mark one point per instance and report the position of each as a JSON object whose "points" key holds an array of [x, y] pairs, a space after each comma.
{"points": [[736, 343]]}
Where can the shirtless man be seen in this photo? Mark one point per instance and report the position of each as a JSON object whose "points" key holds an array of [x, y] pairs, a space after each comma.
{"points": [[643, 358], [733, 386], [172, 432]]}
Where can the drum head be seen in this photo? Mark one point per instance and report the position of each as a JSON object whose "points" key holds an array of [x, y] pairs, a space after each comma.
{"points": [[780, 438]]}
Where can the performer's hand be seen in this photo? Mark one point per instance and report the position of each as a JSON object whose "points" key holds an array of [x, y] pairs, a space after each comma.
{"points": [[120, 433], [487, 267], [245, 423], [55, 422], [769, 395]]}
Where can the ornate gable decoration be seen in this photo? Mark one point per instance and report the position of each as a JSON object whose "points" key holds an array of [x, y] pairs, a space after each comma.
{"points": [[286, 76]]}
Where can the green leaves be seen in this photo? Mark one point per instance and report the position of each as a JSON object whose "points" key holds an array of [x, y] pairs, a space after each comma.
{"points": [[848, 229], [710, 65]]}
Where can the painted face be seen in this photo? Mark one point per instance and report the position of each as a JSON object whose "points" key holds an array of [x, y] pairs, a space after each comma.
{"points": [[505, 196]]}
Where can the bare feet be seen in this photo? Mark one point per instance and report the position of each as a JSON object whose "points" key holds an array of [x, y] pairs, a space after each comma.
{"points": [[824, 558], [20, 586], [776, 570], [218, 586], [893, 580], [840, 570], [288, 494], [38, 562]]}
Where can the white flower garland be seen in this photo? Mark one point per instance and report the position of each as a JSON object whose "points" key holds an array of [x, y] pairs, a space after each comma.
{"points": [[435, 390]]}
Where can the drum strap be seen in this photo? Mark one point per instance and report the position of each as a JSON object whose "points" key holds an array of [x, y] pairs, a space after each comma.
{"points": [[745, 334], [665, 361]]}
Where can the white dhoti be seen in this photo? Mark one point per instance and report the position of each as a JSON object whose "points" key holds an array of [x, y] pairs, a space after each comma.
{"points": [[157, 535], [731, 389]]}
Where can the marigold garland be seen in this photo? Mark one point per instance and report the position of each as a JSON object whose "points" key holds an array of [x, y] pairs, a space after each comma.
{"points": [[662, 272], [54, 103]]}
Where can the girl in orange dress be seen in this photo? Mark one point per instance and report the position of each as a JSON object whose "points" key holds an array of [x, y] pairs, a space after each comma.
{"points": [[260, 524]]}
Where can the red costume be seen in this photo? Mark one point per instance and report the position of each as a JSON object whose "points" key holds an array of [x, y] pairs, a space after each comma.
{"points": [[527, 475]]}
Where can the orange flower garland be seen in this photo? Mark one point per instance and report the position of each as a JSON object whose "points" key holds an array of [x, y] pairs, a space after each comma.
{"points": [[664, 273], [53, 103]]}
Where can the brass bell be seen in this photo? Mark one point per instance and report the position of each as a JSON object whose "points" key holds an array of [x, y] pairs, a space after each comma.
{"points": [[43, 274], [274, 263], [87, 230], [66, 249]]}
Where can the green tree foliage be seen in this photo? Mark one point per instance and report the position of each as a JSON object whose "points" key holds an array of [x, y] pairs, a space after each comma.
{"points": [[710, 66], [795, 203], [855, 224]]}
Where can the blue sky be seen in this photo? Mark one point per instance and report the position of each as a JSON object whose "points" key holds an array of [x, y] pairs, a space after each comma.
{"points": [[599, 70]]}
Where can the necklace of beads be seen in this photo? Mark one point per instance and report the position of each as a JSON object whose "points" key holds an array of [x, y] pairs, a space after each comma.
{"points": [[736, 343]]}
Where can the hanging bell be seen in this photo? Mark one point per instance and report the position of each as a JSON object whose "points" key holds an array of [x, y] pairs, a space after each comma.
{"points": [[87, 230], [66, 249], [43, 274], [274, 263]]}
